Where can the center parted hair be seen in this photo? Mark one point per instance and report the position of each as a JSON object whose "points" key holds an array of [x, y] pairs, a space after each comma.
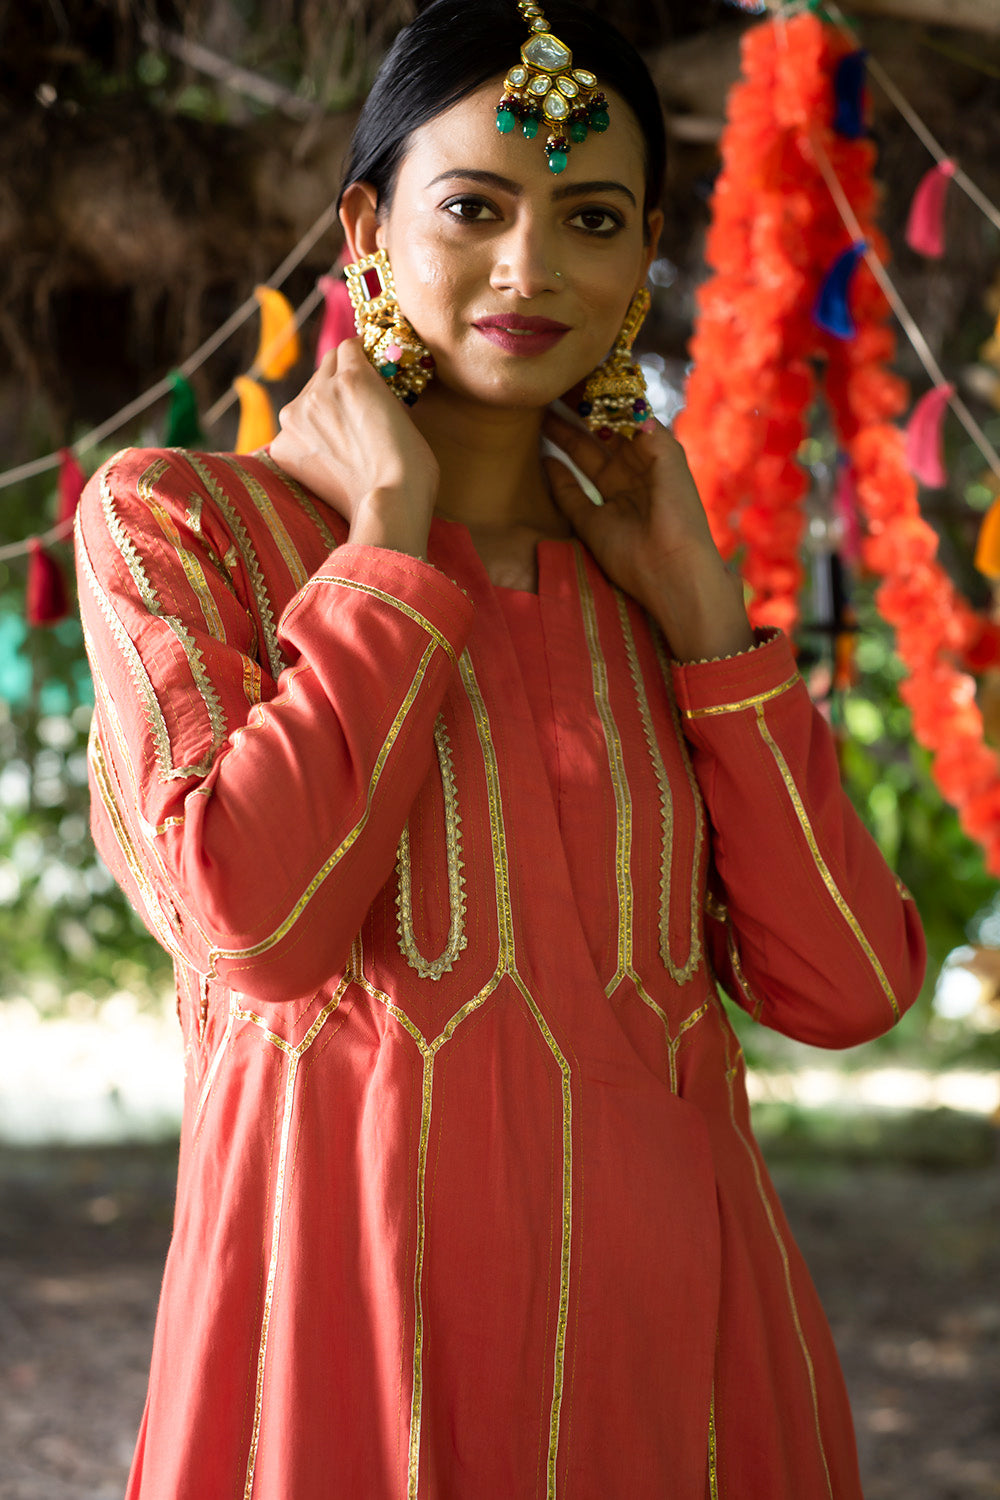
{"points": [[455, 46]]}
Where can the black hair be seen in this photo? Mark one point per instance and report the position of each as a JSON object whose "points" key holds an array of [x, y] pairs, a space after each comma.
{"points": [[455, 46]]}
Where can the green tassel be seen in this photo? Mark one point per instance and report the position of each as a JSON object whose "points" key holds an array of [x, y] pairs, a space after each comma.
{"points": [[183, 426]]}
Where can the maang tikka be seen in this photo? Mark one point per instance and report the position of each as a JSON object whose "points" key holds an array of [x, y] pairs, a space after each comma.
{"points": [[388, 340], [544, 88], [614, 397]]}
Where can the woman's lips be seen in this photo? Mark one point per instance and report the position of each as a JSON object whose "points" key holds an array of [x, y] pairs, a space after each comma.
{"points": [[523, 336]]}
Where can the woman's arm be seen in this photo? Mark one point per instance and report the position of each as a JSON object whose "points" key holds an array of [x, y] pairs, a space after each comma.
{"points": [[252, 817]]}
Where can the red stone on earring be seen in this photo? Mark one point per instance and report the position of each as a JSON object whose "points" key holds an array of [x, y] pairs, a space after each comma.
{"points": [[373, 283]]}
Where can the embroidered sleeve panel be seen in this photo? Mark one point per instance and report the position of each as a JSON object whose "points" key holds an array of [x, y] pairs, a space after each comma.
{"points": [[265, 812]]}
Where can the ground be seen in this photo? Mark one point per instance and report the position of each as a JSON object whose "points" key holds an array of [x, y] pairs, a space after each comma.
{"points": [[907, 1261]]}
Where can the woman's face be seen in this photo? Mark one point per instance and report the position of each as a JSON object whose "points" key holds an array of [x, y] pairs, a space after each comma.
{"points": [[478, 229]]}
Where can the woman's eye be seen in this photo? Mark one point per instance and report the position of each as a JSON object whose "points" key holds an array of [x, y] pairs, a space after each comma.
{"points": [[472, 210], [597, 220]]}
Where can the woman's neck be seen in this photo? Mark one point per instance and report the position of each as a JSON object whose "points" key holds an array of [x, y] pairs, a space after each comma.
{"points": [[492, 478]]}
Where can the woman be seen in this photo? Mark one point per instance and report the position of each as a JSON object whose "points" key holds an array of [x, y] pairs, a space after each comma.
{"points": [[452, 793]]}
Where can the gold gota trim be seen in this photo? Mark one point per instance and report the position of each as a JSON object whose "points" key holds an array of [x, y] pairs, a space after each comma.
{"points": [[901, 888], [457, 940], [349, 839], [105, 790], [400, 604], [735, 708], [713, 1456], [140, 677], [782, 1251], [192, 651], [505, 914], [821, 865], [214, 1065], [616, 765], [679, 973], [193, 570], [275, 525], [245, 550], [326, 535]]}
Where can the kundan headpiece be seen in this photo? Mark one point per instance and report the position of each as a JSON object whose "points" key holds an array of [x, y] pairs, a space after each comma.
{"points": [[544, 88]]}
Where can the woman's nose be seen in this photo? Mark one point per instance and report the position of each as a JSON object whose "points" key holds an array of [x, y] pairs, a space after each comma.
{"points": [[525, 263]]}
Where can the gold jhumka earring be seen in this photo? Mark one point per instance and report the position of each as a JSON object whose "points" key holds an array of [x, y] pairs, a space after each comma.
{"points": [[388, 340], [614, 398]]}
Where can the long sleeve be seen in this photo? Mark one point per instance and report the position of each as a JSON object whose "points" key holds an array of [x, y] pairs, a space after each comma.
{"points": [[251, 810], [814, 935]]}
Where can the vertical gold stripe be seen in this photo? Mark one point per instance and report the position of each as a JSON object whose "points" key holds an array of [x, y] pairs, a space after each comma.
{"points": [[246, 551], [827, 878], [456, 940], [505, 916], [616, 765], [782, 1251], [272, 1271], [193, 571], [680, 973], [559, 1356], [416, 1393], [713, 1460], [326, 535], [275, 525]]}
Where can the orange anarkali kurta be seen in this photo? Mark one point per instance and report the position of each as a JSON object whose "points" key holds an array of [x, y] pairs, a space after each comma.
{"points": [[468, 1205]]}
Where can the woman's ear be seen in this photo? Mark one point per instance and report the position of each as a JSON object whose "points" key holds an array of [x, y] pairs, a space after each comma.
{"points": [[654, 228], [359, 217]]}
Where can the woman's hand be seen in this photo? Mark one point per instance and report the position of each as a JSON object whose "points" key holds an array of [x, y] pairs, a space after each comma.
{"points": [[651, 536], [351, 441]]}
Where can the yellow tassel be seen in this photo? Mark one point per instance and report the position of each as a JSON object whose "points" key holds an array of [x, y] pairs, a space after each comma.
{"points": [[257, 424], [279, 348], [988, 545]]}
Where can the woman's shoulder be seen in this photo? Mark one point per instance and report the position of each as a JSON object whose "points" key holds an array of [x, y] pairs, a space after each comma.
{"points": [[207, 492]]}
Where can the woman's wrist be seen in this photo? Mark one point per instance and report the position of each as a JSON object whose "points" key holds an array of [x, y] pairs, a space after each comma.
{"points": [[701, 613], [395, 519]]}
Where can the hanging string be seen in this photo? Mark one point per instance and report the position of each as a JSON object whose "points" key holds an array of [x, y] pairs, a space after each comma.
{"points": [[908, 323], [914, 121], [304, 311], [194, 362]]}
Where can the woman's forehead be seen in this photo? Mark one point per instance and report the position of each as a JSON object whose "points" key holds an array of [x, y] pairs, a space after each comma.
{"points": [[464, 139]]}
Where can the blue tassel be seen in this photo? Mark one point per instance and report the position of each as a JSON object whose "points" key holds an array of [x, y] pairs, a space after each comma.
{"points": [[849, 96], [831, 312]]}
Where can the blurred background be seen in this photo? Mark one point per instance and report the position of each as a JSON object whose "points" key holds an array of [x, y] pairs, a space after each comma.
{"points": [[157, 160]]}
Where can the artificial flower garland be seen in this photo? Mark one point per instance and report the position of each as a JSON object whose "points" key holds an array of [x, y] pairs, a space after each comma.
{"points": [[760, 360]]}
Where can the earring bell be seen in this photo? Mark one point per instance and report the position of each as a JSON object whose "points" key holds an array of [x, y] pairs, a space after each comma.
{"points": [[388, 339], [614, 398]]}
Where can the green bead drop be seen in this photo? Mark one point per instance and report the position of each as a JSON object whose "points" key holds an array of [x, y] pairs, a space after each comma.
{"points": [[505, 121], [557, 161], [578, 132], [600, 120], [388, 370], [530, 128]]}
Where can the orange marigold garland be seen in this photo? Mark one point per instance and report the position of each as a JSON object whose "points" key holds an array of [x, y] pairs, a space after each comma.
{"points": [[760, 361]]}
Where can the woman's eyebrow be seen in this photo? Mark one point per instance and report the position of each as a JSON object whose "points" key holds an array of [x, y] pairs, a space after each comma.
{"points": [[508, 185]]}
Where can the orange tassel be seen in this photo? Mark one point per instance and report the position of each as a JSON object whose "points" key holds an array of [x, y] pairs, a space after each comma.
{"points": [[988, 545], [924, 437], [257, 425], [279, 347], [71, 482], [925, 225], [46, 598]]}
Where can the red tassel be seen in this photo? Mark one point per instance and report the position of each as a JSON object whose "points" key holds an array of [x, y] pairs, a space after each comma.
{"points": [[46, 599], [71, 482], [923, 436], [338, 316], [925, 225]]}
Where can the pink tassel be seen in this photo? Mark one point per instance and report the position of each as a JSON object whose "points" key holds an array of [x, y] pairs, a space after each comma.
{"points": [[925, 226], [46, 601], [338, 316], [923, 436], [71, 482]]}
